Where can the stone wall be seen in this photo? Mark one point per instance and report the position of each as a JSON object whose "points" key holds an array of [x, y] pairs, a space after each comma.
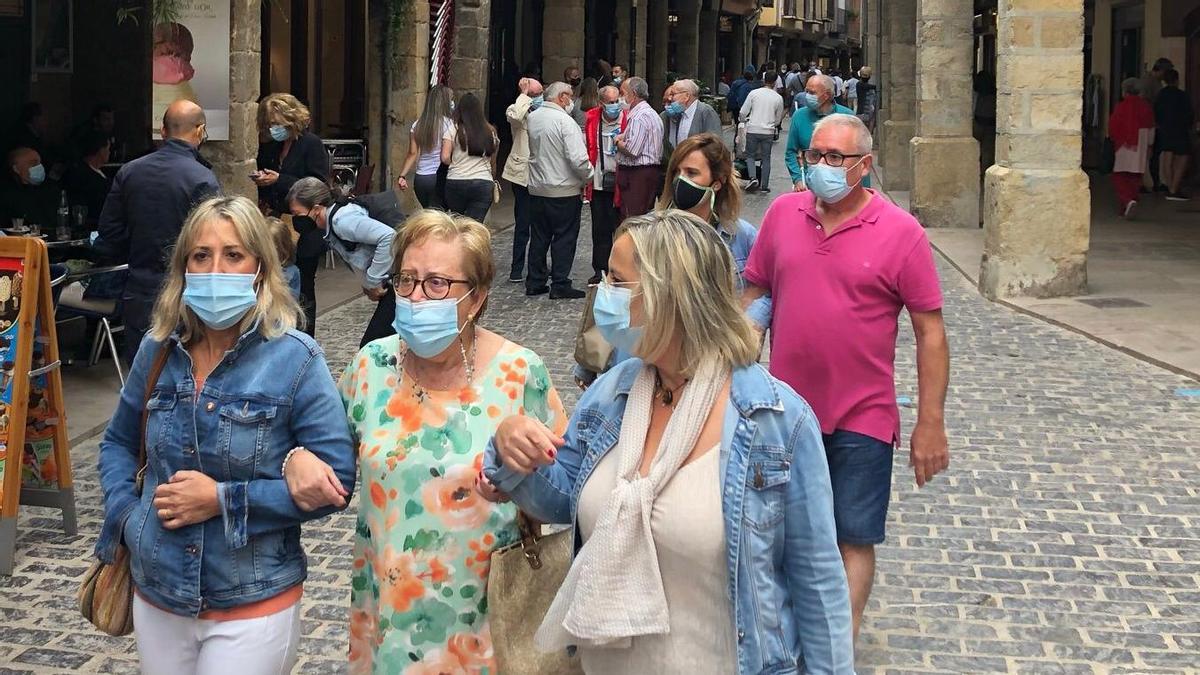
{"points": [[234, 160], [562, 38], [397, 83]]}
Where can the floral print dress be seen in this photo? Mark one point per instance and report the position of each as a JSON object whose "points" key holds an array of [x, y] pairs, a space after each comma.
{"points": [[424, 536]]}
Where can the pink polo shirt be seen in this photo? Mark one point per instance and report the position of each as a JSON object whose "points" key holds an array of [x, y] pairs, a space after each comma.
{"points": [[836, 304]]}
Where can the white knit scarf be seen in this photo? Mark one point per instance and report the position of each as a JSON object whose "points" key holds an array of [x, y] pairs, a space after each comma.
{"points": [[614, 590]]}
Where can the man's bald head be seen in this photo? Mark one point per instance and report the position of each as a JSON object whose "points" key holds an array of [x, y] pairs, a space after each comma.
{"points": [[183, 120], [20, 160]]}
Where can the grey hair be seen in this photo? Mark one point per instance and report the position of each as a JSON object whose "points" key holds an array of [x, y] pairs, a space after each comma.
{"points": [[689, 87], [639, 87], [557, 89], [610, 90], [824, 81], [1131, 85], [310, 192], [864, 143]]}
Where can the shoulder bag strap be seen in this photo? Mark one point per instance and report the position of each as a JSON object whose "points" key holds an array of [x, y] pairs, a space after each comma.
{"points": [[160, 361]]}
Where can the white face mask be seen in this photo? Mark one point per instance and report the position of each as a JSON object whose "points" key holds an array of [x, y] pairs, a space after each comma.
{"points": [[570, 107]]}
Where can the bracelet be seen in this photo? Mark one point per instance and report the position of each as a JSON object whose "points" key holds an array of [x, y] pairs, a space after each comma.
{"points": [[287, 458]]}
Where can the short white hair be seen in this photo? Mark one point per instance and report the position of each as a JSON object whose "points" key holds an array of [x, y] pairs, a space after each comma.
{"points": [[824, 81], [863, 141], [688, 87], [557, 89]]}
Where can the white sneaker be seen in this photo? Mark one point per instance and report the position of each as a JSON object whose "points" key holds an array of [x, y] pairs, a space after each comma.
{"points": [[1129, 209]]}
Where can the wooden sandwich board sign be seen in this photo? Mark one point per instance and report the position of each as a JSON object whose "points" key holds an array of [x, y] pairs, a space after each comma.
{"points": [[35, 462]]}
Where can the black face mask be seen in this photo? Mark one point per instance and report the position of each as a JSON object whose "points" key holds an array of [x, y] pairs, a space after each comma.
{"points": [[686, 195], [574, 81]]}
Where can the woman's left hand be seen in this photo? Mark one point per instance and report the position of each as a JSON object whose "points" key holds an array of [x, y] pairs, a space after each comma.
{"points": [[266, 177], [189, 498]]}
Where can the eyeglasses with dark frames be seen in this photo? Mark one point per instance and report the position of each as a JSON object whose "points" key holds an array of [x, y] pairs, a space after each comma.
{"points": [[433, 287], [834, 159]]}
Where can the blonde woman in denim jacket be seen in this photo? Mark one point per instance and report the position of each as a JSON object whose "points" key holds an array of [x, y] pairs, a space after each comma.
{"points": [[696, 483]]}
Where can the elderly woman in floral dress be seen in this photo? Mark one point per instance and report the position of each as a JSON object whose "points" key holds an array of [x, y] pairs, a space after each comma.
{"points": [[422, 405]]}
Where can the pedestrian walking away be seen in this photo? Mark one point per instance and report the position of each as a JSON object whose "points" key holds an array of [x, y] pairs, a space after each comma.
{"points": [[558, 171], [425, 148], [603, 125], [639, 150], [833, 331], [145, 211], [516, 171], [362, 241], [696, 549], [469, 147], [1131, 130], [439, 388], [1175, 118], [762, 113], [221, 393]]}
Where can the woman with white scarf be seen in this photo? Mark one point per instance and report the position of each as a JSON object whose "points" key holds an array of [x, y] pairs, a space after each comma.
{"points": [[696, 483]]}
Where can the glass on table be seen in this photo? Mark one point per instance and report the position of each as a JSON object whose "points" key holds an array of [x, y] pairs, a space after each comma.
{"points": [[35, 229], [63, 233], [79, 215]]}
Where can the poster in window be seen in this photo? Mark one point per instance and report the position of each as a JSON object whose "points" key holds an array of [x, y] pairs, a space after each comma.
{"points": [[191, 61], [52, 36]]}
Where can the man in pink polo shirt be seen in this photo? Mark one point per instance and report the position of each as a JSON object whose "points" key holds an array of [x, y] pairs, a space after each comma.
{"points": [[840, 262]]}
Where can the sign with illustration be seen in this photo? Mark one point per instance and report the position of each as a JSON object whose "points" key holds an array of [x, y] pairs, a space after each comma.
{"points": [[191, 61], [35, 465]]}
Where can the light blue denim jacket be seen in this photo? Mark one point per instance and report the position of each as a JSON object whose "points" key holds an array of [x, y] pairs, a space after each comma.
{"points": [[370, 253], [786, 581], [263, 399]]}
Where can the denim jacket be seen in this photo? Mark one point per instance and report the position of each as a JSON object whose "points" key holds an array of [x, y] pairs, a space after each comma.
{"points": [[785, 575], [370, 250], [263, 399]]}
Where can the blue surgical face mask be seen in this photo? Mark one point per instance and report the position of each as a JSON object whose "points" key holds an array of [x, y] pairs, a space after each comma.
{"points": [[536, 102], [427, 327], [612, 110], [617, 80], [812, 101], [37, 174], [828, 183], [674, 109], [279, 133], [220, 300], [611, 311]]}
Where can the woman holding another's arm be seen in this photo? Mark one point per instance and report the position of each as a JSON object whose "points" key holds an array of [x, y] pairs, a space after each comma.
{"points": [[697, 482]]}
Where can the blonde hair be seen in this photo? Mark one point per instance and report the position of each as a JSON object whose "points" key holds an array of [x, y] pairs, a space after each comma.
{"points": [[285, 107], [475, 239], [285, 246], [276, 311], [688, 283]]}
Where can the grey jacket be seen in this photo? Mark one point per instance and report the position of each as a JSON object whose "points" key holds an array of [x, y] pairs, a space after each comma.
{"points": [[558, 159], [706, 121], [371, 259]]}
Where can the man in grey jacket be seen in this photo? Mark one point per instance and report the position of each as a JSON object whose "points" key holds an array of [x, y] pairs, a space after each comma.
{"points": [[558, 170], [686, 115]]}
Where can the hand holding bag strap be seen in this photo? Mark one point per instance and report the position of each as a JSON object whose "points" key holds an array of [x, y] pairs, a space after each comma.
{"points": [[156, 368]]}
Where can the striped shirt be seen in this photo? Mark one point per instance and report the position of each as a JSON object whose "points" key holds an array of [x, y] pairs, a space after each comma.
{"points": [[643, 137]]}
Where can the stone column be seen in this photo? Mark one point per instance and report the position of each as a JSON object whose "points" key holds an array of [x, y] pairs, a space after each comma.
{"points": [[707, 68], [1037, 204], [640, 43], [397, 83], [233, 160], [624, 7], [687, 36], [945, 154], [469, 65], [563, 39], [739, 46], [900, 126], [656, 68]]}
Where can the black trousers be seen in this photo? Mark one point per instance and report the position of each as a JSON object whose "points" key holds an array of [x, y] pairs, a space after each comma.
{"points": [[308, 291], [522, 215], [555, 229], [605, 219], [380, 324], [135, 315], [471, 198]]}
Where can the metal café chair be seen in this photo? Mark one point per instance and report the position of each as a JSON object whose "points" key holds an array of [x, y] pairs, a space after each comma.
{"points": [[106, 312]]}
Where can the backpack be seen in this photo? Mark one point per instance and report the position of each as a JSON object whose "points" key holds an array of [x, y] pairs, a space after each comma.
{"points": [[381, 206]]}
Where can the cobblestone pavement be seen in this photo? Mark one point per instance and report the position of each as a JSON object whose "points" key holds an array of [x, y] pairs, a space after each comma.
{"points": [[1064, 539]]}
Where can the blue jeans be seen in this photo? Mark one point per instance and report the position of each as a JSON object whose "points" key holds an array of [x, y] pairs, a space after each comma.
{"points": [[860, 471]]}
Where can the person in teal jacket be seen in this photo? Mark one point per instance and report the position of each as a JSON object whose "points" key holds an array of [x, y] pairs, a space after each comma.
{"points": [[818, 102]]}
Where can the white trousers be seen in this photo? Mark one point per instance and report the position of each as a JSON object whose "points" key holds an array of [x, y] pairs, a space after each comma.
{"points": [[169, 644]]}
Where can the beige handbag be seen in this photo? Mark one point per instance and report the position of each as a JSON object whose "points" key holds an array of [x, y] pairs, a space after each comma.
{"points": [[591, 350], [106, 593], [522, 582]]}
